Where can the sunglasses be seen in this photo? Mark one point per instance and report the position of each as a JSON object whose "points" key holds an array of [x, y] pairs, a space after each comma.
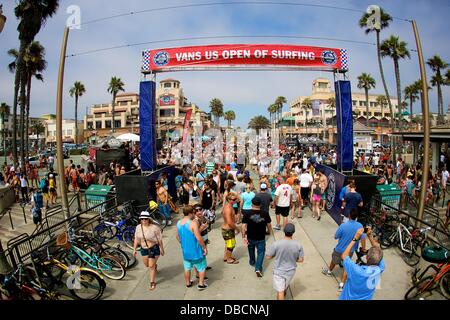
{"points": [[234, 199], [199, 209]]}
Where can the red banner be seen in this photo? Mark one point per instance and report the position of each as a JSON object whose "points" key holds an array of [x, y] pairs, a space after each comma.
{"points": [[238, 55], [186, 125], [167, 100]]}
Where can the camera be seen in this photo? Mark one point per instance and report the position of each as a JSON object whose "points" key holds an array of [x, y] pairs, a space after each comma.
{"points": [[366, 228]]}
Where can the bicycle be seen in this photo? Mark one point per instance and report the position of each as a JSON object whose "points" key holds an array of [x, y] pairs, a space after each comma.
{"points": [[426, 284], [50, 273], [408, 241]]}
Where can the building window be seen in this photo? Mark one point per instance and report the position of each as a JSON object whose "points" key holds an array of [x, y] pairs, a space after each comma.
{"points": [[98, 124], [167, 112], [167, 85], [108, 124], [89, 125], [323, 85], [117, 123], [69, 132], [387, 114], [372, 104], [354, 102], [377, 114], [362, 103]]}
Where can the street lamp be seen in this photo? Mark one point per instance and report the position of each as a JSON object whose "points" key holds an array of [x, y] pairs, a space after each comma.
{"points": [[2, 19]]}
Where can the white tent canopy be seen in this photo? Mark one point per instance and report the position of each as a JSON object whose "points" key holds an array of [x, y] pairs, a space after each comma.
{"points": [[128, 137]]}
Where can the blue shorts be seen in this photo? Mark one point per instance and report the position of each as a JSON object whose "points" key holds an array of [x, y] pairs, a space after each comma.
{"points": [[200, 264], [152, 252]]}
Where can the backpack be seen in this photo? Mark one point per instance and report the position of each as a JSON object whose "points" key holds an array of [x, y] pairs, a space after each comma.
{"points": [[36, 212], [38, 200]]}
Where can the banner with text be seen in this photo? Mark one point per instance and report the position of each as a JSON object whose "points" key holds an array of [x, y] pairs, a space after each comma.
{"points": [[239, 55]]}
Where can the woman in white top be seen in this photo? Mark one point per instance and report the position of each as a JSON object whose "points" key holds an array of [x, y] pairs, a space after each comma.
{"points": [[148, 236]]}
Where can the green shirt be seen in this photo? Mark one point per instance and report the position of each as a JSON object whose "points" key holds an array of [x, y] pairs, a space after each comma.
{"points": [[210, 167]]}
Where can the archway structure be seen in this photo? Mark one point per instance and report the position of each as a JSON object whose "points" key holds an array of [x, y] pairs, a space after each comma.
{"points": [[244, 57]]}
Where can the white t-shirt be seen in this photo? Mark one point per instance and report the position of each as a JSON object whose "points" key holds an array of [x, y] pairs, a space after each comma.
{"points": [[305, 163], [284, 193], [445, 176], [376, 160], [442, 158], [305, 180]]}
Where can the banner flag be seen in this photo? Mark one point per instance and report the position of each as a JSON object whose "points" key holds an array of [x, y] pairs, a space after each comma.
{"points": [[231, 56], [186, 125]]}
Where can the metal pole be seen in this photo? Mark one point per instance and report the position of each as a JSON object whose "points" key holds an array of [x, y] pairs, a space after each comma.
{"points": [[426, 129], [59, 144]]}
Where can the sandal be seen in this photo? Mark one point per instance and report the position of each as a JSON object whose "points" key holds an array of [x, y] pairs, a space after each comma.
{"points": [[152, 285], [190, 284], [233, 261]]}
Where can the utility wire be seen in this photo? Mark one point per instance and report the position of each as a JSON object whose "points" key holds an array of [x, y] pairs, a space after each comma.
{"points": [[223, 4]]}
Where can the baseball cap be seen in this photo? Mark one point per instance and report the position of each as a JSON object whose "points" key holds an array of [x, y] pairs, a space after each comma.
{"points": [[256, 201], [289, 228], [263, 186]]}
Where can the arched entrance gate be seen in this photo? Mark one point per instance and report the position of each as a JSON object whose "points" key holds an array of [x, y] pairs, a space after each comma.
{"points": [[242, 57]]}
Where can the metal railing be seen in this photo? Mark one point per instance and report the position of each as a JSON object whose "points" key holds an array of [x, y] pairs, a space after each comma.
{"points": [[438, 234], [7, 211]]}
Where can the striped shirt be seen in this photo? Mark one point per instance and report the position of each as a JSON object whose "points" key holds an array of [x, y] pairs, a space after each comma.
{"points": [[209, 167]]}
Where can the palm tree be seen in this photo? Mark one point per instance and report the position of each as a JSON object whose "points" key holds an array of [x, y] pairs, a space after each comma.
{"points": [[385, 18], [4, 112], [115, 85], [35, 64], [306, 105], [332, 105], [77, 90], [412, 94], [38, 128], [437, 64], [382, 102], [12, 68], [279, 101], [366, 82], [259, 122], [32, 16], [272, 110], [396, 49], [216, 110], [230, 116]]}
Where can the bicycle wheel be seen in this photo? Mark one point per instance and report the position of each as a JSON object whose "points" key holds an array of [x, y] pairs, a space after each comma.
{"points": [[426, 284], [128, 237], [388, 239], [444, 285], [111, 268], [409, 251], [91, 287], [159, 219], [118, 254], [105, 231]]}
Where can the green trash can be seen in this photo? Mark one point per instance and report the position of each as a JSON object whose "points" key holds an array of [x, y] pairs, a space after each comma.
{"points": [[97, 194], [390, 195]]}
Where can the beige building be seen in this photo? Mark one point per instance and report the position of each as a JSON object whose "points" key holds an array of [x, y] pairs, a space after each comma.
{"points": [[171, 108], [323, 122], [68, 131]]}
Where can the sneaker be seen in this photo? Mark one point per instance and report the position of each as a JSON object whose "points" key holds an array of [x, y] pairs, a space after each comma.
{"points": [[258, 274], [341, 287], [327, 272], [199, 287], [208, 268], [277, 227]]}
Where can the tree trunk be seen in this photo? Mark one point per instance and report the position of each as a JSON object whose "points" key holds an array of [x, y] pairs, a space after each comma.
{"points": [[16, 100], [367, 106], [112, 112], [76, 119], [439, 92], [23, 82], [399, 92], [387, 95], [410, 109], [27, 116]]}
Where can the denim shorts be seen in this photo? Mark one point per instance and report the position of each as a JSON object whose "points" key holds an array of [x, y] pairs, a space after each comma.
{"points": [[152, 252]]}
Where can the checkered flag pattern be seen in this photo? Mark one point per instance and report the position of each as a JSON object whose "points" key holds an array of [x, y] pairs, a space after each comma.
{"points": [[344, 59], [146, 60]]}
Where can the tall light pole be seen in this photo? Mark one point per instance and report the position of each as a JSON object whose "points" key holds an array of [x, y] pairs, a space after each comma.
{"points": [[426, 128], [2, 19], [59, 144]]}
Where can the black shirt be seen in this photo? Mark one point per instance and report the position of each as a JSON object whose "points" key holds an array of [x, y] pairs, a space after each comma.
{"points": [[207, 199], [266, 199], [256, 223]]}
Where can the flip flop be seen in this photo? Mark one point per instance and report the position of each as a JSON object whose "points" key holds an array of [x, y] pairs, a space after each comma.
{"points": [[190, 284], [234, 261], [152, 285]]}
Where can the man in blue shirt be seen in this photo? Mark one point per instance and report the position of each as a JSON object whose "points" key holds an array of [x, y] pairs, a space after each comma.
{"points": [[352, 200], [362, 280], [344, 235]]}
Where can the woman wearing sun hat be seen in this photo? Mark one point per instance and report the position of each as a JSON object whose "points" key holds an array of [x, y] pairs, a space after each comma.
{"points": [[148, 236]]}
